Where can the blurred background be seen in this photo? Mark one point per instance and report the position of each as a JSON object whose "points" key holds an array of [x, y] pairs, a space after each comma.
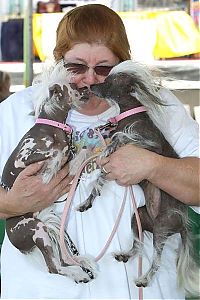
{"points": [[163, 33]]}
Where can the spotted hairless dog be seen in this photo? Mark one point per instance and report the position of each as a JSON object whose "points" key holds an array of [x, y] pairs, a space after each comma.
{"points": [[131, 85], [52, 143]]}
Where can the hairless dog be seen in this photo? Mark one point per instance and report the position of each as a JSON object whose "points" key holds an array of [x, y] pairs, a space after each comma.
{"points": [[132, 86], [49, 140]]}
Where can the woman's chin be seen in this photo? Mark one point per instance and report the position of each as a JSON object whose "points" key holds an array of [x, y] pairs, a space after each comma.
{"points": [[93, 106]]}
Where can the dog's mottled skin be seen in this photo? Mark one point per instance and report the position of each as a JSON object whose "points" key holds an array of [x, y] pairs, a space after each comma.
{"points": [[54, 146], [131, 85]]}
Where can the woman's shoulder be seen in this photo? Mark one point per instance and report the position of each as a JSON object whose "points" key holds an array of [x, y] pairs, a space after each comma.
{"points": [[178, 127], [23, 96], [16, 110], [18, 104]]}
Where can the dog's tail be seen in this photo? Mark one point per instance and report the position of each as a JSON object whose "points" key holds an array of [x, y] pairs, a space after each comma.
{"points": [[188, 271]]}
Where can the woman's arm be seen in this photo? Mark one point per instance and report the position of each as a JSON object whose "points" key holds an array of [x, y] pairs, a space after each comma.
{"points": [[30, 194], [178, 177]]}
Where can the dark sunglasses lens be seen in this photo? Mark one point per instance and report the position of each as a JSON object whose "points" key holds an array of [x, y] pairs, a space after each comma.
{"points": [[103, 70], [76, 68]]}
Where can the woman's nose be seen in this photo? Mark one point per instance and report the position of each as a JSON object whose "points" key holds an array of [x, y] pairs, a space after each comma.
{"points": [[90, 77]]}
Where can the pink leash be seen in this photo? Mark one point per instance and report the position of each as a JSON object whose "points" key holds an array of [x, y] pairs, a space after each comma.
{"points": [[64, 252]]}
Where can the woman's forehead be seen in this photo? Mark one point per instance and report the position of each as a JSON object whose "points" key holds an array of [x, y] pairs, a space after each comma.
{"points": [[90, 54]]}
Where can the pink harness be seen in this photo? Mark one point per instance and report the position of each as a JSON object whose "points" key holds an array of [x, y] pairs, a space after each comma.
{"points": [[56, 124], [127, 113]]}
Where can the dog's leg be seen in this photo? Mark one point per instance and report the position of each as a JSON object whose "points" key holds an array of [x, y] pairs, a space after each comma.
{"points": [[96, 191], [28, 232], [158, 242], [167, 223], [137, 246]]}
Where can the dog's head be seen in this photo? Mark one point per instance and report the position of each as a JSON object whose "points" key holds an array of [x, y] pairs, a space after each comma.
{"points": [[56, 92], [129, 79], [114, 87], [67, 95]]}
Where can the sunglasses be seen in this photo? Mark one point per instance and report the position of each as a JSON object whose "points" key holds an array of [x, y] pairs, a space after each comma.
{"points": [[81, 69]]}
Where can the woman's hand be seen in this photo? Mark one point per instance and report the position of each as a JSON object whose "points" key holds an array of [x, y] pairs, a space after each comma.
{"points": [[177, 177], [30, 194], [128, 165]]}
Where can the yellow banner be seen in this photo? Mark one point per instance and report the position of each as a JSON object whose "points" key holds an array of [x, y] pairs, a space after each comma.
{"points": [[152, 35]]}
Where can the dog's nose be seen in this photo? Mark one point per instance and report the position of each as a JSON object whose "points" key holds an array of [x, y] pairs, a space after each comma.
{"points": [[84, 91]]}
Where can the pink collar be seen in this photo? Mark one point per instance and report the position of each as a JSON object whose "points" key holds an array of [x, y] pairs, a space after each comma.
{"points": [[127, 113], [54, 124]]}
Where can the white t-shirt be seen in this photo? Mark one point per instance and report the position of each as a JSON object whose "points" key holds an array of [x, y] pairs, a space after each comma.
{"points": [[26, 276]]}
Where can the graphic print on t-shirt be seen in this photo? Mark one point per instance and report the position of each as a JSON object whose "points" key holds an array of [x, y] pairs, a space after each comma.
{"points": [[89, 139]]}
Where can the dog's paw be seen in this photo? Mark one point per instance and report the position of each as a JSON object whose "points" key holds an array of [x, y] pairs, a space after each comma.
{"points": [[89, 265], [84, 206], [142, 281], [121, 256], [76, 273]]}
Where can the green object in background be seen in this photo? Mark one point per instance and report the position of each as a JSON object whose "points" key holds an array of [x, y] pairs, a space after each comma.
{"points": [[195, 228], [2, 231]]}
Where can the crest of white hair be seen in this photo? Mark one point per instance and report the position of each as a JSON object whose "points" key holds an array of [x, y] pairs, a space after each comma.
{"points": [[133, 137], [151, 78], [52, 74]]}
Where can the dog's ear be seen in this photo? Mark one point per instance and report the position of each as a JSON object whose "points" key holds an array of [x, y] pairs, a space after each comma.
{"points": [[56, 91], [132, 89], [52, 90]]}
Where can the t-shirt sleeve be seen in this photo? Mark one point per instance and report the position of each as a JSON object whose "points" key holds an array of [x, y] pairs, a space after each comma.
{"points": [[178, 127], [16, 120]]}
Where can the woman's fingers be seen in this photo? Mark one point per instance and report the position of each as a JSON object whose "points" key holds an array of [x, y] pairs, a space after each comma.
{"points": [[101, 161], [32, 169], [63, 187], [34, 195]]}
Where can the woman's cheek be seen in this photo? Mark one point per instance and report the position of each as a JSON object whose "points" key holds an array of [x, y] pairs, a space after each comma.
{"points": [[77, 80]]}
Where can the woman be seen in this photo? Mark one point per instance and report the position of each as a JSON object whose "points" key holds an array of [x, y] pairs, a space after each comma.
{"points": [[91, 40]]}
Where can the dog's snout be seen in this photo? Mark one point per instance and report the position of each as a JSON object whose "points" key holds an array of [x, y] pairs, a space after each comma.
{"points": [[92, 87], [84, 92]]}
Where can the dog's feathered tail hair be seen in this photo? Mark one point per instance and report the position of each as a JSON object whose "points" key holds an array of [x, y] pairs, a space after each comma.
{"points": [[55, 73], [188, 270]]}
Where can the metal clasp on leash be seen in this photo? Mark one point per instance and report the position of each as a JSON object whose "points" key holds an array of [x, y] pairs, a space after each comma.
{"points": [[107, 125]]}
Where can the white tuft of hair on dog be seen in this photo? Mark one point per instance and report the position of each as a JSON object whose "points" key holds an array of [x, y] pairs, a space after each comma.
{"points": [[134, 138], [53, 74], [152, 79], [52, 222]]}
